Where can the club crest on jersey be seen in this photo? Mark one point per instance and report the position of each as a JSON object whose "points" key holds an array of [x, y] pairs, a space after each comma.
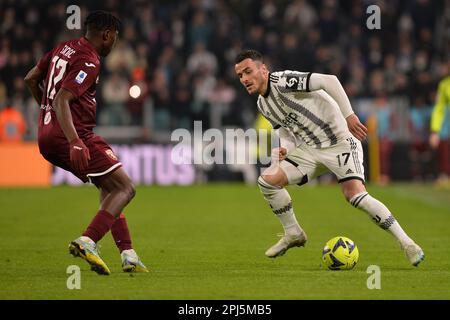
{"points": [[80, 77], [111, 154], [292, 82]]}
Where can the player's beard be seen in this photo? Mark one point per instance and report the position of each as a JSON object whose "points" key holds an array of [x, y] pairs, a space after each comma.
{"points": [[105, 51]]}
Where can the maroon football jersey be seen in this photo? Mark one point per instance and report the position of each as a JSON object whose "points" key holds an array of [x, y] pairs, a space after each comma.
{"points": [[73, 65]]}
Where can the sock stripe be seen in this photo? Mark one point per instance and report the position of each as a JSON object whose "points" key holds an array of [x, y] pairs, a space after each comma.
{"points": [[360, 199], [353, 201]]}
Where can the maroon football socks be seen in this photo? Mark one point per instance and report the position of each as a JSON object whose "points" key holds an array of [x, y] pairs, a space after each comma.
{"points": [[121, 234], [100, 225]]}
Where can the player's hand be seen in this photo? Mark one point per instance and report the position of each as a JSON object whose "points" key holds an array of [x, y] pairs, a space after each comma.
{"points": [[356, 127], [79, 155], [434, 140], [278, 154]]}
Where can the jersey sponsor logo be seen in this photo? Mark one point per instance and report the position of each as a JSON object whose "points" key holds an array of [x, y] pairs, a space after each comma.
{"points": [[89, 65], [80, 77], [111, 154], [292, 82], [290, 120], [47, 118]]}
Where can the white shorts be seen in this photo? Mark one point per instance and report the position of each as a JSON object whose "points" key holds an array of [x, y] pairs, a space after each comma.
{"points": [[344, 159]]}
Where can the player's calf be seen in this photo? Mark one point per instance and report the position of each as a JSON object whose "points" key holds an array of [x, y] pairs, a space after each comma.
{"points": [[281, 204], [118, 191]]}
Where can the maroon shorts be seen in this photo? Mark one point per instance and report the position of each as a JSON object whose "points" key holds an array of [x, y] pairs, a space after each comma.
{"points": [[103, 160]]}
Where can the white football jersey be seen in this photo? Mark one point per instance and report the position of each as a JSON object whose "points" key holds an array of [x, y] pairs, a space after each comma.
{"points": [[313, 117]]}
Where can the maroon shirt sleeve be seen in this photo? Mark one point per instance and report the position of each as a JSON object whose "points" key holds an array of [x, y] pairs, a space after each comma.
{"points": [[44, 62], [81, 75]]}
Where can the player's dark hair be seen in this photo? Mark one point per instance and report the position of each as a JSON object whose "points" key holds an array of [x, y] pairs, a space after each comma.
{"points": [[249, 53], [101, 21]]}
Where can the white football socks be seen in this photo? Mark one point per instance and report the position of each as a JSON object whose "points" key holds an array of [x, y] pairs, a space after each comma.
{"points": [[380, 215], [281, 203]]}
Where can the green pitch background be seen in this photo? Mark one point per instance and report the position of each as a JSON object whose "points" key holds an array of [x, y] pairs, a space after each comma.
{"points": [[208, 242]]}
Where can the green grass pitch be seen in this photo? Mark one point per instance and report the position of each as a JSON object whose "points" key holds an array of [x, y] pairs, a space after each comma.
{"points": [[208, 242]]}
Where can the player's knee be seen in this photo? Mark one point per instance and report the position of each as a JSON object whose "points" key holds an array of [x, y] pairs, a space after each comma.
{"points": [[349, 194], [352, 188], [131, 191], [276, 178], [266, 188]]}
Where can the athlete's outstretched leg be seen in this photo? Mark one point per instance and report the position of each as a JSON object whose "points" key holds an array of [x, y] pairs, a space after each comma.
{"points": [[272, 187], [356, 194]]}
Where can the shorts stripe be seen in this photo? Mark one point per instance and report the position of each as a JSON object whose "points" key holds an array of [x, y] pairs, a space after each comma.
{"points": [[291, 162], [353, 147], [352, 178], [99, 174]]}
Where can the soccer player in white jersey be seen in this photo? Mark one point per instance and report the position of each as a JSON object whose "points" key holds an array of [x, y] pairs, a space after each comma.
{"points": [[319, 132]]}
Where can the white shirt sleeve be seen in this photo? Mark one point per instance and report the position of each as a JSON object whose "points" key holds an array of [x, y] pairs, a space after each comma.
{"points": [[331, 85]]}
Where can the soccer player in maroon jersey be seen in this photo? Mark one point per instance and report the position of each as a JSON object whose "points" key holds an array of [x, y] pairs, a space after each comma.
{"points": [[66, 138]]}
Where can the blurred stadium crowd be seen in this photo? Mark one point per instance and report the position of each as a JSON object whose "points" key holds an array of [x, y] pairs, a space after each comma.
{"points": [[181, 55]]}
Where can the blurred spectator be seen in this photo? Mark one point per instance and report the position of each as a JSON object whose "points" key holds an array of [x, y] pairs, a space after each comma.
{"points": [[220, 99], [122, 58], [440, 127], [300, 15], [160, 93], [115, 92], [420, 153], [201, 59], [12, 125], [139, 93], [385, 127], [182, 100], [200, 31]]}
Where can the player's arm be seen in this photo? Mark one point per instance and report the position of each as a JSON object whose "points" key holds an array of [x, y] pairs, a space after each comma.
{"points": [[33, 79], [331, 85], [79, 153], [287, 144], [35, 76], [61, 106], [437, 117]]}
